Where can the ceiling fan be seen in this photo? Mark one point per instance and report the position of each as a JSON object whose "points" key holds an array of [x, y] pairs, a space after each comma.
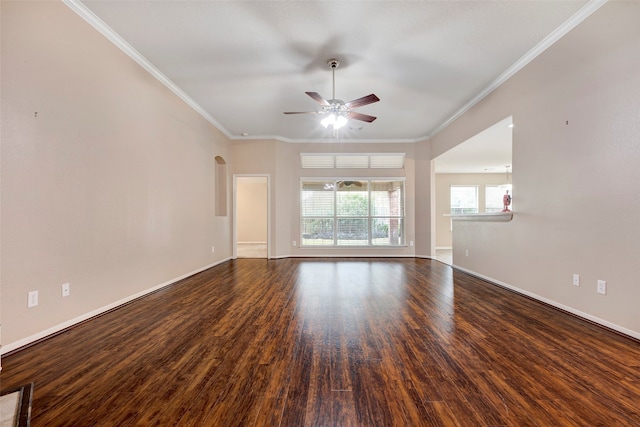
{"points": [[342, 184], [337, 111]]}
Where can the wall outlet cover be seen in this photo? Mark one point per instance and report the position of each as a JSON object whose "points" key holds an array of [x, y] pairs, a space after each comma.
{"points": [[33, 299], [602, 287]]}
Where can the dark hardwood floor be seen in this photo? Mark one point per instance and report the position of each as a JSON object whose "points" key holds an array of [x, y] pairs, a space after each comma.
{"points": [[318, 342]]}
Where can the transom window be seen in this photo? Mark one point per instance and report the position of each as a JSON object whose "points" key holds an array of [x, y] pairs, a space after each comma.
{"points": [[352, 212], [352, 161]]}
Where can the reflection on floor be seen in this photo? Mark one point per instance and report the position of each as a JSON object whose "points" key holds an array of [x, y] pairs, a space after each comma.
{"points": [[445, 255], [252, 250]]}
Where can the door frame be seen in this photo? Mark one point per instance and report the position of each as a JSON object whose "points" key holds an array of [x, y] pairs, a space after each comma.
{"points": [[235, 210]]}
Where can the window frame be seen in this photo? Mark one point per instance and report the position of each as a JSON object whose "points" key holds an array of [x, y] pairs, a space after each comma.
{"points": [[477, 205], [369, 217], [499, 206]]}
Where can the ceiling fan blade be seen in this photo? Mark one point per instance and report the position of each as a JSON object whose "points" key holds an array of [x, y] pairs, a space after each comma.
{"points": [[365, 100], [302, 112], [360, 116], [319, 99]]}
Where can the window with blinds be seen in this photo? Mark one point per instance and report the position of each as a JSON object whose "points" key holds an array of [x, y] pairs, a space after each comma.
{"points": [[352, 212], [352, 161]]}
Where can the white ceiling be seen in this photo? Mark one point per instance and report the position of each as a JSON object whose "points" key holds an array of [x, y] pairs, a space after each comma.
{"points": [[241, 64], [487, 152]]}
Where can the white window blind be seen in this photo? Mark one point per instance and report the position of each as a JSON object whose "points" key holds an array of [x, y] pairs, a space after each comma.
{"points": [[315, 161], [384, 161], [352, 161]]}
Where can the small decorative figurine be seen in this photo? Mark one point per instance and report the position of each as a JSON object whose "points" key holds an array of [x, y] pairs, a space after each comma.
{"points": [[506, 201]]}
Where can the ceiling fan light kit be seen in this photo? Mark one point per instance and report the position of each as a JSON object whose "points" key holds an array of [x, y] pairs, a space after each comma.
{"points": [[336, 111]]}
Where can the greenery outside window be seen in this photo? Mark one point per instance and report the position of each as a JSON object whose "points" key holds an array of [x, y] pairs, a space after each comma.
{"points": [[352, 212]]}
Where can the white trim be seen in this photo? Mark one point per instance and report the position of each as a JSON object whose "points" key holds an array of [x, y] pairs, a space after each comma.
{"points": [[555, 304], [97, 23], [235, 242], [252, 243], [546, 43], [444, 248], [62, 326], [332, 140], [368, 216], [352, 256]]}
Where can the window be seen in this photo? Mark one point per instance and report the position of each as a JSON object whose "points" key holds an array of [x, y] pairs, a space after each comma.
{"points": [[493, 198], [352, 161], [352, 212], [464, 199]]}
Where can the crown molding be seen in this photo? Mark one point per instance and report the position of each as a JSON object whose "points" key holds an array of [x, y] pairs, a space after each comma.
{"points": [[111, 35], [547, 42], [114, 38]]}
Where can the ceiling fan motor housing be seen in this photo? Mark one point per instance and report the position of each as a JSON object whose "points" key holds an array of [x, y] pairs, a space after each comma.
{"points": [[333, 63]]}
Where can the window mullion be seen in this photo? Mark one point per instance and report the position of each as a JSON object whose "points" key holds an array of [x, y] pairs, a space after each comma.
{"points": [[369, 221], [335, 213]]}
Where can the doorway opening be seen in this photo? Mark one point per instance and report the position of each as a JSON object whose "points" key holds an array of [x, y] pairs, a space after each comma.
{"points": [[469, 178], [251, 216]]}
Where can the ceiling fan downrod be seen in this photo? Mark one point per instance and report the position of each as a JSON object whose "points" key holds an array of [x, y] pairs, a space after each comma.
{"points": [[333, 64]]}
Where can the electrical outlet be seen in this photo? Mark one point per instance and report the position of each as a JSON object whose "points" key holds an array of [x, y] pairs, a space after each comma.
{"points": [[213, 249], [602, 287], [295, 243], [411, 243], [33, 299], [466, 252], [576, 280], [65, 290]]}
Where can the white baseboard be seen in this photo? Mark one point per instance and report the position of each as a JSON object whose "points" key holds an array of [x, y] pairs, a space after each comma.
{"points": [[556, 304], [252, 243], [444, 248], [50, 331], [62, 326], [345, 256]]}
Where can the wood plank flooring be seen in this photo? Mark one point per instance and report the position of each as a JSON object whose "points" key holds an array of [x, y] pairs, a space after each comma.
{"points": [[326, 342]]}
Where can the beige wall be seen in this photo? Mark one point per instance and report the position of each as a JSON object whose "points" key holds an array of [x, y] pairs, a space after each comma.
{"points": [[107, 176], [282, 161], [575, 167], [251, 216], [259, 157], [444, 181], [111, 185]]}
